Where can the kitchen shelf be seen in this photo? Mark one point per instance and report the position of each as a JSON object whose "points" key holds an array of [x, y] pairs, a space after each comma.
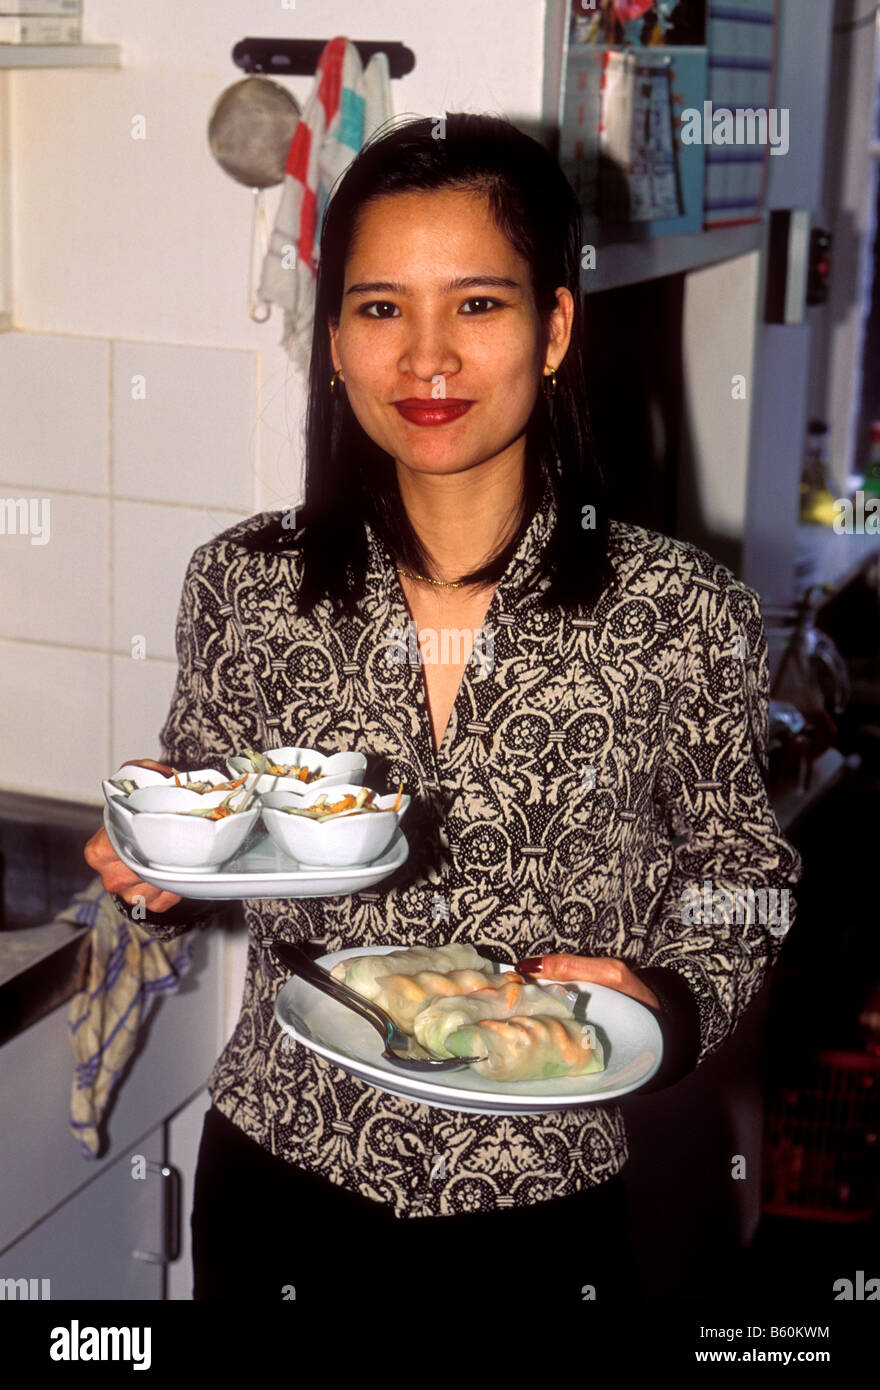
{"points": [[628, 262], [60, 55]]}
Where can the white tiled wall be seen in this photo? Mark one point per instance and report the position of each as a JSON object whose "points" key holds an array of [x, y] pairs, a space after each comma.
{"points": [[57, 591], [126, 483], [56, 724], [135, 392], [168, 535], [54, 422], [183, 424], [141, 693]]}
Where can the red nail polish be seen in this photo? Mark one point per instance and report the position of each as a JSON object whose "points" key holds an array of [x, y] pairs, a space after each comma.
{"points": [[532, 965]]}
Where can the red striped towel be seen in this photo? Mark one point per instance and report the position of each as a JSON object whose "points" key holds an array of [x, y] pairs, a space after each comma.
{"points": [[347, 104]]}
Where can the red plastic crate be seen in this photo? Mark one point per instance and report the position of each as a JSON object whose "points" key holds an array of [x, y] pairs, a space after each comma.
{"points": [[822, 1141]]}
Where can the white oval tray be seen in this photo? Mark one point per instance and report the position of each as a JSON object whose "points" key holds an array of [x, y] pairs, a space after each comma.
{"points": [[261, 871]]}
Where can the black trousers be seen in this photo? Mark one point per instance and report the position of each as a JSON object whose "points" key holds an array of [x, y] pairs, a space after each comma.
{"points": [[264, 1229]]}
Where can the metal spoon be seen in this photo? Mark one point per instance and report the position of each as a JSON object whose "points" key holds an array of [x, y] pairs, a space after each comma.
{"points": [[400, 1048]]}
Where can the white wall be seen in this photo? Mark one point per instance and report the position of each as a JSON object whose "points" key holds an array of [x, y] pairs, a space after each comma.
{"points": [[719, 413], [129, 257]]}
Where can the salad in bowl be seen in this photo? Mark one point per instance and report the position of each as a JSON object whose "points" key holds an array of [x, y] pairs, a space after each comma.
{"points": [[339, 828], [174, 827], [296, 770], [132, 778]]}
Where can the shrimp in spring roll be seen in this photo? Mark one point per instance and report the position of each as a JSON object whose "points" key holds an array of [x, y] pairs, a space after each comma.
{"points": [[404, 997], [512, 999], [528, 1049], [361, 973]]}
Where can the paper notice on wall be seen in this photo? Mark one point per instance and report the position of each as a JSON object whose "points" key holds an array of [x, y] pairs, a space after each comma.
{"points": [[579, 128], [639, 178]]}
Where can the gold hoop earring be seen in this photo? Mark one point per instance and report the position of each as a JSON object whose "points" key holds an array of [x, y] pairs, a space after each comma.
{"points": [[548, 383]]}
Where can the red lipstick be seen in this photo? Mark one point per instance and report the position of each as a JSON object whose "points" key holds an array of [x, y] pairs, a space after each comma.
{"points": [[421, 410]]}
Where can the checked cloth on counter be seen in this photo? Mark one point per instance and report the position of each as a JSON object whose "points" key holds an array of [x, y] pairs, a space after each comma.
{"points": [[121, 972]]}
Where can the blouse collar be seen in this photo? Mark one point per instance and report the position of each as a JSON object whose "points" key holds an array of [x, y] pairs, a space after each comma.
{"points": [[521, 568]]}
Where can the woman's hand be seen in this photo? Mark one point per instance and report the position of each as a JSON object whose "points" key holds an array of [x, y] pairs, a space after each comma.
{"points": [[116, 877], [597, 970]]}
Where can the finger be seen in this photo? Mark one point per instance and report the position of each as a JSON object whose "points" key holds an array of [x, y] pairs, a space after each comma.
{"points": [[118, 878], [594, 970], [146, 895], [613, 975], [94, 851], [98, 840], [98, 851], [113, 873], [565, 966], [165, 901]]}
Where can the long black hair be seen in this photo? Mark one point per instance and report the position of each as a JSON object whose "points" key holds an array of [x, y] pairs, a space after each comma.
{"points": [[349, 478]]}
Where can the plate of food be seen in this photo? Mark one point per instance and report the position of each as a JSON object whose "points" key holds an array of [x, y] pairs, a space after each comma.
{"points": [[565, 1046], [258, 869]]}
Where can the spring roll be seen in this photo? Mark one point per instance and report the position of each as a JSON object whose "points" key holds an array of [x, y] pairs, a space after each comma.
{"points": [[529, 1049], [405, 996], [512, 999], [361, 972]]}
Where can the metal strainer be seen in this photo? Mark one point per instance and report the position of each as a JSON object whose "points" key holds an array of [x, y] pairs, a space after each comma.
{"points": [[249, 132]]}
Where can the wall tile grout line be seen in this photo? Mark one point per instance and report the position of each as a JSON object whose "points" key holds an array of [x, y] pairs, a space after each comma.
{"points": [[120, 652], [28, 489], [132, 342], [111, 608]]}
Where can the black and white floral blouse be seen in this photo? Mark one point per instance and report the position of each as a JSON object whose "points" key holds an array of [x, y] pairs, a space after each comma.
{"points": [[595, 769]]}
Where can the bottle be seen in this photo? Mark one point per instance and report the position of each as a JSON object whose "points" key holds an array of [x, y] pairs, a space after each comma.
{"points": [[871, 483], [817, 501]]}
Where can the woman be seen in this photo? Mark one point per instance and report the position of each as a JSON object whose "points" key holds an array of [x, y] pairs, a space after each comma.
{"points": [[597, 754]]}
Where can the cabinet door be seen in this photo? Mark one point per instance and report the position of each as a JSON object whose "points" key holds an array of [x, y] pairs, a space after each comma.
{"points": [[40, 1162], [101, 1243], [183, 1134]]}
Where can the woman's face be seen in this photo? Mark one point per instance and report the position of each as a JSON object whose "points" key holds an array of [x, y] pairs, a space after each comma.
{"points": [[424, 316]]}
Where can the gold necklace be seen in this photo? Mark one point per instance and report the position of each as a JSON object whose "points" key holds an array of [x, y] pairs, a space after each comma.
{"points": [[440, 583]]}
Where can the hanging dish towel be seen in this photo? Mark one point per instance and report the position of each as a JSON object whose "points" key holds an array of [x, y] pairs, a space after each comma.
{"points": [[347, 104], [121, 972]]}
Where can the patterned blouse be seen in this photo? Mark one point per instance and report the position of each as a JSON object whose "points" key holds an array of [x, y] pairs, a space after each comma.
{"points": [[595, 769]]}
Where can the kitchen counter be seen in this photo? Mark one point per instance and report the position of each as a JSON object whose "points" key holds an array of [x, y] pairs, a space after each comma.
{"points": [[41, 871], [41, 844], [37, 973], [23, 949]]}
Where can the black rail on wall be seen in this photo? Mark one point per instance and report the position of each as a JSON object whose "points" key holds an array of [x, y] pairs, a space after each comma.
{"points": [[299, 57]]}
